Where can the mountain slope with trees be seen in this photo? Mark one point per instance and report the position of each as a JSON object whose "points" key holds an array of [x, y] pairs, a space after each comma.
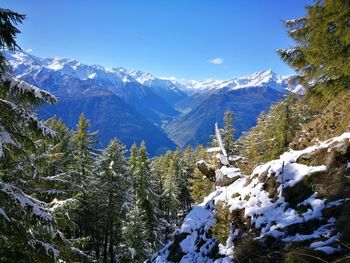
{"points": [[196, 126], [112, 118], [293, 205], [280, 193], [179, 109]]}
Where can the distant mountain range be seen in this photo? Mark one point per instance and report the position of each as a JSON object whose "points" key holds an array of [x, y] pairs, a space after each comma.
{"points": [[246, 96], [135, 106]]}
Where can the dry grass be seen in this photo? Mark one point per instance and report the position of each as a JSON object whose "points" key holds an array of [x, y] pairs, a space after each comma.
{"points": [[331, 118]]}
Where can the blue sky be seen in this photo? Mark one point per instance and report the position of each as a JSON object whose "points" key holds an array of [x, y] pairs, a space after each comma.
{"points": [[192, 39]]}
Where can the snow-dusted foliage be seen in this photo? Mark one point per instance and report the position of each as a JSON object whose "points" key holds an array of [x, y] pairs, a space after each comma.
{"points": [[268, 209], [25, 203], [18, 121], [21, 88], [26, 223]]}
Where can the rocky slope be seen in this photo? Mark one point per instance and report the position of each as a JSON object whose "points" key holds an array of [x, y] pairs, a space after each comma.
{"points": [[293, 209]]}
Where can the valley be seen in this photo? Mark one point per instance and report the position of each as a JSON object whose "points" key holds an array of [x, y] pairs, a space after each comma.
{"points": [[135, 106], [116, 165]]}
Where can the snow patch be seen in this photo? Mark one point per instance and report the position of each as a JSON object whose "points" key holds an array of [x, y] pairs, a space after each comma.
{"points": [[269, 216]]}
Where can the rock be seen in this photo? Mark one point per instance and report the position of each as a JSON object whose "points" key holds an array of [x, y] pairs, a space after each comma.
{"points": [[207, 170], [224, 180], [175, 251]]}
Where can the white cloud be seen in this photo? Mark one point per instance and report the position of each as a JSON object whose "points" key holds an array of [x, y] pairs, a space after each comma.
{"points": [[216, 61], [29, 50]]}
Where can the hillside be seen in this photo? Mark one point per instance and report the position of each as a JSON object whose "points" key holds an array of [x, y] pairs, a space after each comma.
{"points": [[247, 103], [331, 118], [112, 117], [292, 209], [295, 207]]}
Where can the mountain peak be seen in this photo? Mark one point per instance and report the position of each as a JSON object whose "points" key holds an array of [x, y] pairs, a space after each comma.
{"points": [[119, 76], [142, 76], [259, 75], [58, 63], [257, 79]]}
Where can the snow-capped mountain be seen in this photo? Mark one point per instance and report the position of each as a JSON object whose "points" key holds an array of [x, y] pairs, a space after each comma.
{"points": [[246, 96], [163, 87], [21, 61], [24, 63], [116, 77], [205, 85], [257, 79], [116, 104], [203, 109], [157, 99], [69, 77]]}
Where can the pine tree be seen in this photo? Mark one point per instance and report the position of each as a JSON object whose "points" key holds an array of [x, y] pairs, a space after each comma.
{"points": [[172, 174], [158, 167], [84, 177], [28, 231], [137, 248], [84, 152], [8, 32], [274, 131], [186, 170], [19, 127], [256, 143], [135, 229], [145, 196], [111, 191], [222, 226], [287, 123], [132, 163], [171, 190], [51, 163], [53, 181], [322, 50]]}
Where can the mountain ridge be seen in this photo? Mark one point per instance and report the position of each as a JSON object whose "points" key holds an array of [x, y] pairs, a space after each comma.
{"points": [[18, 59], [246, 103], [180, 108]]}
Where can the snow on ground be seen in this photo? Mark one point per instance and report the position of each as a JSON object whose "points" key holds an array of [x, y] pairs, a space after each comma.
{"points": [[269, 217]]}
